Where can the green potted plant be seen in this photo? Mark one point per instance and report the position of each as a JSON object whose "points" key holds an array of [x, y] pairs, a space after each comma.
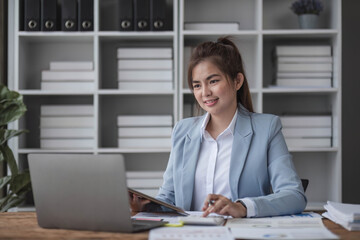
{"points": [[308, 12], [17, 184]]}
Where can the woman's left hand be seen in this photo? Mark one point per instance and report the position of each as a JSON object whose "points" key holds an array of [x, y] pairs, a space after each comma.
{"points": [[219, 204]]}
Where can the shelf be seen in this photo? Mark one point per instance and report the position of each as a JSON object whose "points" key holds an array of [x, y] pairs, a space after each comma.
{"points": [[131, 150], [136, 35], [300, 33], [250, 33], [331, 149], [188, 91], [45, 93], [299, 90], [39, 150], [135, 92]]}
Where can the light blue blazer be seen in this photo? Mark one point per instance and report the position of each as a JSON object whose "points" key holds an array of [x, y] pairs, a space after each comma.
{"points": [[260, 161]]}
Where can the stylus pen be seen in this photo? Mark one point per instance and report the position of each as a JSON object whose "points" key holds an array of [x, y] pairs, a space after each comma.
{"points": [[211, 202]]}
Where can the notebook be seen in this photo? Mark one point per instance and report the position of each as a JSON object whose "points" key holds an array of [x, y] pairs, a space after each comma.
{"points": [[83, 192]]}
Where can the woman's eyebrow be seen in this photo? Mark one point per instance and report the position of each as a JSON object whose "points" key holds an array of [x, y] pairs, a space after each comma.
{"points": [[208, 78]]}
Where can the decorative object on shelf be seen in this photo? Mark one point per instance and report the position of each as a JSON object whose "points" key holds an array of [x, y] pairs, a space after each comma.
{"points": [[308, 12], [18, 183]]}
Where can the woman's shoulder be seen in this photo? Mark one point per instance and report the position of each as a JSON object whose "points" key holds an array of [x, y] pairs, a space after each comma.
{"points": [[265, 120], [187, 123]]}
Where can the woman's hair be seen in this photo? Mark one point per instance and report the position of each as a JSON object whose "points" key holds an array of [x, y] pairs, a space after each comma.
{"points": [[226, 56]]}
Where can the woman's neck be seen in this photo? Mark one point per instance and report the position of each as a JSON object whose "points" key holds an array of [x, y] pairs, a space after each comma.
{"points": [[217, 124]]}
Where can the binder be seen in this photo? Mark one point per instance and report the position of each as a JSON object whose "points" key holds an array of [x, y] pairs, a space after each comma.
{"points": [[158, 15], [126, 15], [86, 15], [32, 15], [142, 15], [48, 15], [69, 15]]}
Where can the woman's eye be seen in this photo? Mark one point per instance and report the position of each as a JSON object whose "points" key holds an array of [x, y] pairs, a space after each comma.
{"points": [[213, 81], [196, 86]]}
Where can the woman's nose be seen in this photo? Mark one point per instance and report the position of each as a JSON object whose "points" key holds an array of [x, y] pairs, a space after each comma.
{"points": [[206, 91]]}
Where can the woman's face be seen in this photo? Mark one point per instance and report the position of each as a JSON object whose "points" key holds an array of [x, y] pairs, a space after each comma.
{"points": [[214, 93]]}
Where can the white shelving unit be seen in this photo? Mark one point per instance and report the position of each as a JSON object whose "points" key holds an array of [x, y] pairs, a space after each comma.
{"points": [[31, 53], [263, 25]]}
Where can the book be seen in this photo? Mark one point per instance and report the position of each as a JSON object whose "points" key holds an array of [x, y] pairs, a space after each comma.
{"points": [[147, 64], [158, 19], [142, 15], [308, 142], [149, 85], [48, 15], [145, 75], [142, 53], [144, 183], [305, 121], [304, 74], [144, 131], [303, 82], [350, 226], [345, 211], [66, 122], [144, 142], [289, 132], [67, 110], [32, 16], [67, 133], [69, 15], [303, 50], [68, 86], [86, 15], [212, 26], [68, 75], [304, 67], [71, 65], [144, 120], [125, 15], [144, 174], [67, 143], [305, 59]]}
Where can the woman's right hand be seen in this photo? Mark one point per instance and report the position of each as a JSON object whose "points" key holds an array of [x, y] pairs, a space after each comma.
{"points": [[137, 203]]}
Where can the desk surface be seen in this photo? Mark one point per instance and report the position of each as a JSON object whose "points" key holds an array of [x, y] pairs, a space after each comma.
{"points": [[24, 226]]}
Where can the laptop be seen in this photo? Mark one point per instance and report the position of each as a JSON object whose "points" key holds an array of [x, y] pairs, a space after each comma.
{"points": [[83, 192]]}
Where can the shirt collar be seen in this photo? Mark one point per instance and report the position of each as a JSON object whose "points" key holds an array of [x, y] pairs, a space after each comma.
{"points": [[230, 128]]}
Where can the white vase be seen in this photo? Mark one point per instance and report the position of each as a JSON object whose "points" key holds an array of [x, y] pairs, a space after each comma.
{"points": [[308, 21]]}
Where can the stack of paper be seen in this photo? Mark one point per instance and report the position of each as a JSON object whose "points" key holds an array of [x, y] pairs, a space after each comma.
{"points": [[303, 66], [67, 127], [68, 75], [144, 131], [307, 131], [147, 182], [347, 215], [145, 68]]}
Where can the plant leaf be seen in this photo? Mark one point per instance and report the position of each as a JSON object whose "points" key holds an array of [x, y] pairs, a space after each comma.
{"points": [[14, 201], [12, 106], [20, 182], [6, 134], [4, 181], [9, 158]]}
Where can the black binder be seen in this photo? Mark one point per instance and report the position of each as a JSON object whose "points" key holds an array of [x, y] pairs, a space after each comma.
{"points": [[158, 15], [126, 15], [48, 15], [69, 15], [86, 15], [32, 15], [142, 15]]}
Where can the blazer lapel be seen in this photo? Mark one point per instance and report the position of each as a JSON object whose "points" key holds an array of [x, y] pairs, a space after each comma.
{"points": [[190, 157], [242, 139]]}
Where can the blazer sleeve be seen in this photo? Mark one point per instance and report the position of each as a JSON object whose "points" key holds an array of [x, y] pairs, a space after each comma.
{"points": [[288, 195], [167, 190]]}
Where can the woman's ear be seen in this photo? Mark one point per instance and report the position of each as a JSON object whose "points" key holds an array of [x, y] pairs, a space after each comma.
{"points": [[239, 81]]}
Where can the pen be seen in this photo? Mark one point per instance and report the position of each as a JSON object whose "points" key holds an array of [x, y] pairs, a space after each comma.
{"points": [[211, 202]]}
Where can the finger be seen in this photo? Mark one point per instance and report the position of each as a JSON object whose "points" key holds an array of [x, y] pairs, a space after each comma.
{"points": [[208, 211], [225, 210], [209, 200]]}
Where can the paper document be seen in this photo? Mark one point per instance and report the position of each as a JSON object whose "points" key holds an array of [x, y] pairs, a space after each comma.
{"points": [[283, 227], [191, 233]]}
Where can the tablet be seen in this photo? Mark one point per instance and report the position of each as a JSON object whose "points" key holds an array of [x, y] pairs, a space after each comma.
{"points": [[157, 205]]}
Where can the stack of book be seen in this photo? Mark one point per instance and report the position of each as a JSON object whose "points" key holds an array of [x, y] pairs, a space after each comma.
{"points": [[67, 127], [144, 131], [347, 215], [69, 75], [145, 68], [303, 66], [307, 131], [147, 182]]}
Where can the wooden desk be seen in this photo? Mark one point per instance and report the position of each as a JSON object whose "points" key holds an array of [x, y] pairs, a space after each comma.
{"points": [[24, 226]]}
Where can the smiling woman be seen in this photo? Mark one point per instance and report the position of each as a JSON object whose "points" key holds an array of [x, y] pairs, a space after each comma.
{"points": [[230, 157]]}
